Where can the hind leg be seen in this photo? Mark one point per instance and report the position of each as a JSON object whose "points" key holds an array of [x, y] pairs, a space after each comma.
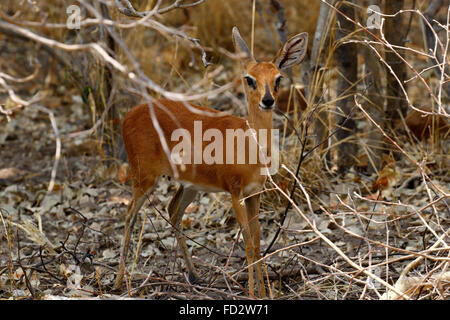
{"points": [[182, 198], [139, 197]]}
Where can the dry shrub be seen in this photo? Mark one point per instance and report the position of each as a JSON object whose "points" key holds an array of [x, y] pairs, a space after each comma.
{"points": [[211, 22]]}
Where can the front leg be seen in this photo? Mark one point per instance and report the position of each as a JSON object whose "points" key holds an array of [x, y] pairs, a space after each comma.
{"points": [[252, 204], [241, 216]]}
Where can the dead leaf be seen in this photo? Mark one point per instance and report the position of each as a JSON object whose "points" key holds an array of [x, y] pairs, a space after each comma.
{"points": [[109, 253], [11, 173], [373, 196], [336, 204], [191, 208], [187, 223], [388, 177]]}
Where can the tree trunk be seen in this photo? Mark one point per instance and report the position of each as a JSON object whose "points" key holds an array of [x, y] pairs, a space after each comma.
{"points": [[375, 104], [315, 77], [111, 135], [346, 55], [430, 40], [396, 102]]}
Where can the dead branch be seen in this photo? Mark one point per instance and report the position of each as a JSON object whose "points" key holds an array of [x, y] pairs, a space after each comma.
{"points": [[126, 8], [22, 102], [405, 283], [385, 43], [313, 226]]}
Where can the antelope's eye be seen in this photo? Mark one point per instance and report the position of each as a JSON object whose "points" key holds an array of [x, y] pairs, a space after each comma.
{"points": [[251, 82], [277, 83]]}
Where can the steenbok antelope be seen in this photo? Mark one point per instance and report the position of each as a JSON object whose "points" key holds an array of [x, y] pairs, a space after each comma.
{"points": [[148, 156]]}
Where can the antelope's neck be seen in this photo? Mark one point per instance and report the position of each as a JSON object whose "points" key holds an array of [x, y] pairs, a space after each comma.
{"points": [[259, 119], [262, 123]]}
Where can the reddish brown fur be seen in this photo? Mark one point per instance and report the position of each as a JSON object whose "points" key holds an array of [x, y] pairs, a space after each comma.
{"points": [[148, 160], [421, 125]]}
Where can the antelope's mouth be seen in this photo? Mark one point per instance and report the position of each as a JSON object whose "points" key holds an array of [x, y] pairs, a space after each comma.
{"points": [[263, 107]]}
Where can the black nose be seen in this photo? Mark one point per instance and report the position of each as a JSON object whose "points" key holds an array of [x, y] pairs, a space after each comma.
{"points": [[268, 102]]}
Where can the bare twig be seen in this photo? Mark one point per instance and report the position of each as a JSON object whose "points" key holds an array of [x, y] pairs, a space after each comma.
{"points": [[125, 7], [384, 42]]}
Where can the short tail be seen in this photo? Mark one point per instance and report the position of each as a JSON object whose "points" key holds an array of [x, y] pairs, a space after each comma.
{"points": [[124, 173]]}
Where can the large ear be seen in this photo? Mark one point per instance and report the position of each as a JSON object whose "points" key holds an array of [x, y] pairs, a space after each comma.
{"points": [[241, 47], [292, 52]]}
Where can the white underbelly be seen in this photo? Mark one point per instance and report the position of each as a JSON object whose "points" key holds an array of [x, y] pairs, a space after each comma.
{"points": [[251, 188], [199, 187]]}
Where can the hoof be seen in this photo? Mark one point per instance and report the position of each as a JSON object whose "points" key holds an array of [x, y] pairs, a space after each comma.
{"points": [[192, 278]]}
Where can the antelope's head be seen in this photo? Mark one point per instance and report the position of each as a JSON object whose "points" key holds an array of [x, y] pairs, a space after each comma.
{"points": [[262, 79]]}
